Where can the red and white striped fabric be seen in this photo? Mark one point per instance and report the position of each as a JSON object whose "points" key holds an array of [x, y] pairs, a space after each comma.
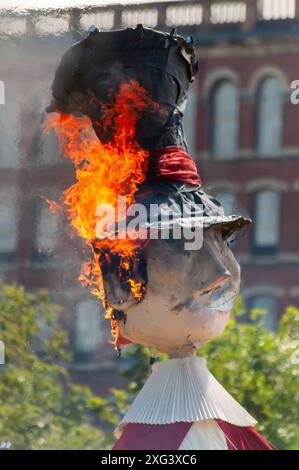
{"points": [[202, 435], [183, 407]]}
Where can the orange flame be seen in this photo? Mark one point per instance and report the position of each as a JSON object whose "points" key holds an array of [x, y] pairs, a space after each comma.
{"points": [[53, 206], [104, 171]]}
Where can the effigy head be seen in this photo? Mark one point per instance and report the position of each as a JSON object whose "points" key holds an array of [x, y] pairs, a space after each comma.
{"points": [[189, 295], [191, 277], [174, 288]]}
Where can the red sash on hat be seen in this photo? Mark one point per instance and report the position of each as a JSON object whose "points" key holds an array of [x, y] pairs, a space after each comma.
{"points": [[173, 164]]}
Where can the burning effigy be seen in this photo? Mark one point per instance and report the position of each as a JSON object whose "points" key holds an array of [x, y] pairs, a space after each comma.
{"points": [[161, 263]]}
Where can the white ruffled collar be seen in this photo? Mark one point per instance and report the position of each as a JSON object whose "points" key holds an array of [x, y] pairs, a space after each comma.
{"points": [[183, 389]]}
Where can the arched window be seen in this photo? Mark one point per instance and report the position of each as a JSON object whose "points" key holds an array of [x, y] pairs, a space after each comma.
{"points": [[268, 304], [2, 92], [270, 117], [49, 151], [228, 200], [225, 120], [9, 223], [266, 222], [9, 131], [189, 121], [45, 234], [88, 332]]}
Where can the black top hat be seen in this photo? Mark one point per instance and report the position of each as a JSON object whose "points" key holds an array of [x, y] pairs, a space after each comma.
{"points": [[164, 64]]}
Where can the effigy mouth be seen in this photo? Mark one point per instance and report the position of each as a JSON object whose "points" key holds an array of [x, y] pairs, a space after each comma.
{"points": [[221, 299]]}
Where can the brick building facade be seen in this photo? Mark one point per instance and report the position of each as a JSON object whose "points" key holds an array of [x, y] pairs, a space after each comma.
{"points": [[242, 129], [244, 96]]}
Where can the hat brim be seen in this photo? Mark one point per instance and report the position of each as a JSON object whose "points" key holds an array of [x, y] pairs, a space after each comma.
{"points": [[171, 206], [228, 224], [181, 205]]}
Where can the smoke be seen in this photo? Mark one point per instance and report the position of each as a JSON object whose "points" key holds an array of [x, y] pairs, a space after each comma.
{"points": [[37, 248]]}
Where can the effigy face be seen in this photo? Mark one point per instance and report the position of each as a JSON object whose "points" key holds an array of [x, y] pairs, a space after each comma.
{"points": [[189, 295]]}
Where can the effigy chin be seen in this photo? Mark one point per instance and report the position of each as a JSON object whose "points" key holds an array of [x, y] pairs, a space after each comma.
{"points": [[175, 290]]}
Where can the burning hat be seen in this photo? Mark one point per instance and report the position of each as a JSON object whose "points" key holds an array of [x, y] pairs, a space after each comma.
{"points": [[164, 65]]}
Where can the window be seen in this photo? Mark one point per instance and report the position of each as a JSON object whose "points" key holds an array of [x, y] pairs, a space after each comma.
{"points": [[268, 304], [104, 19], [45, 231], [87, 329], [45, 330], [147, 16], [270, 117], [8, 225], [266, 222], [9, 132], [227, 199], [225, 116], [184, 15], [50, 152], [189, 122], [2, 92], [277, 9], [228, 12]]}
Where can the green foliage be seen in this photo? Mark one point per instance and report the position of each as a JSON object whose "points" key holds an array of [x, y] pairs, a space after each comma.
{"points": [[40, 407], [259, 368]]}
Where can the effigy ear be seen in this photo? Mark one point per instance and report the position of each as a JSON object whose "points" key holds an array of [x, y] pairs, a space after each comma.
{"points": [[124, 282]]}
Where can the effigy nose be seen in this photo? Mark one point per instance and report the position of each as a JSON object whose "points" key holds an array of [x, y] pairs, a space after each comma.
{"points": [[216, 283]]}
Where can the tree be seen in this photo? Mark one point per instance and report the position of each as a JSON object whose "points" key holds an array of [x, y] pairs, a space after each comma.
{"points": [[40, 407], [258, 367]]}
